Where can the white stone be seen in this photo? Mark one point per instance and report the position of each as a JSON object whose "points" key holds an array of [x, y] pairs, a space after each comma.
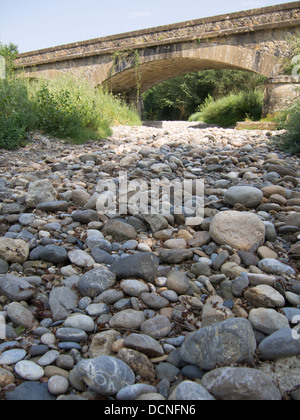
{"points": [[83, 322], [29, 370]]}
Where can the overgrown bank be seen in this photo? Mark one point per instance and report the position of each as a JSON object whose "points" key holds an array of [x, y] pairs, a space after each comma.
{"points": [[66, 108]]}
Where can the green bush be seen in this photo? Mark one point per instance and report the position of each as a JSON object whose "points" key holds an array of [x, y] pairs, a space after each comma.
{"points": [[16, 116], [227, 111], [66, 108], [290, 140]]}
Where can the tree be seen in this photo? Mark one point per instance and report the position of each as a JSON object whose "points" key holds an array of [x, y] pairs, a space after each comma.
{"points": [[9, 52], [178, 98]]}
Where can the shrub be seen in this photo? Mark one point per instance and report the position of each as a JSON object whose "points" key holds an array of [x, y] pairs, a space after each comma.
{"points": [[16, 116], [66, 108], [290, 140], [227, 111]]}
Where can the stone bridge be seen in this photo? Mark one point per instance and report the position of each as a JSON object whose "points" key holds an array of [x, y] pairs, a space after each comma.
{"points": [[131, 63]]}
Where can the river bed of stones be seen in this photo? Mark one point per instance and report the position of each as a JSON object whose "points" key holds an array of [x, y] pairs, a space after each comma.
{"points": [[146, 307]]}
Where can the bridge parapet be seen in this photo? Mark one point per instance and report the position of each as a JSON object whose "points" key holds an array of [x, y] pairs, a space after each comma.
{"points": [[242, 29]]}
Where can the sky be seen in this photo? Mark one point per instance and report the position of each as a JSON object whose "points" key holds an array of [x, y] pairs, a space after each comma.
{"points": [[37, 24]]}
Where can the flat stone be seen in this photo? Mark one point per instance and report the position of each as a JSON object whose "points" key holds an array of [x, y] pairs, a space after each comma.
{"points": [[264, 296], [239, 230], [248, 196], [154, 301], [175, 256], [81, 258], [29, 371], [120, 230], [240, 384], [127, 319], [75, 335], [30, 391], [16, 288], [157, 327], [272, 266], [133, 287], [208, 347], [19, 315], [62, 301], [105, 375], [144, 344], [54, 254], [281, 344], [86, 216], [53, 206], [267, 321], [11, 357], [83, 322], [142, 266]]}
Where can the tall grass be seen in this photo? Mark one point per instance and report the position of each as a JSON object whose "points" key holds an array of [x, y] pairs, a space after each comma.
{"points": [[227, 111], [66, 108], [290, 121]]}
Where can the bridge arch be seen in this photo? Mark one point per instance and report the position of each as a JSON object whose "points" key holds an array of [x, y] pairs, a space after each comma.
{"points": [[158, 64]]}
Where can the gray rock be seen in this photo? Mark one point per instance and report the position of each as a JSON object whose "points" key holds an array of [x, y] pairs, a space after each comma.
{"points": [[105, 375], [96, 281], [53, 206], [4, 267], [192, 391], [240, 284], [83, 322], [86, 216], [167, 370], [81, 258], [267, 321], [133, 287], [120, 230], [264, 296], [29, 371], [40, 191], [208, 347], [178, 282], [71, 335], [54, 254], [154, 301], [240, 384], [157, 327], [272, 266], [156, 222], [19, 315], [175, 256], [58, 385], [144, 344], [30, 391], [11, 357], [128, 319], [281, 344], [16, 288], [132, 392], [62, 301], [248, 196], [143, 266]]}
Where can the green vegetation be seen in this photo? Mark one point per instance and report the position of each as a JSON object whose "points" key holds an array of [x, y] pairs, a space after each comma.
{"points": [[227, 111], [178, 98], [66, 108], [289, 120]]}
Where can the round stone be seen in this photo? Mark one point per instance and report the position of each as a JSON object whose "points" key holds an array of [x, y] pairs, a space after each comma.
{"points": [[58, 385], [29, 370], [239, 230], [248, 196]]}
